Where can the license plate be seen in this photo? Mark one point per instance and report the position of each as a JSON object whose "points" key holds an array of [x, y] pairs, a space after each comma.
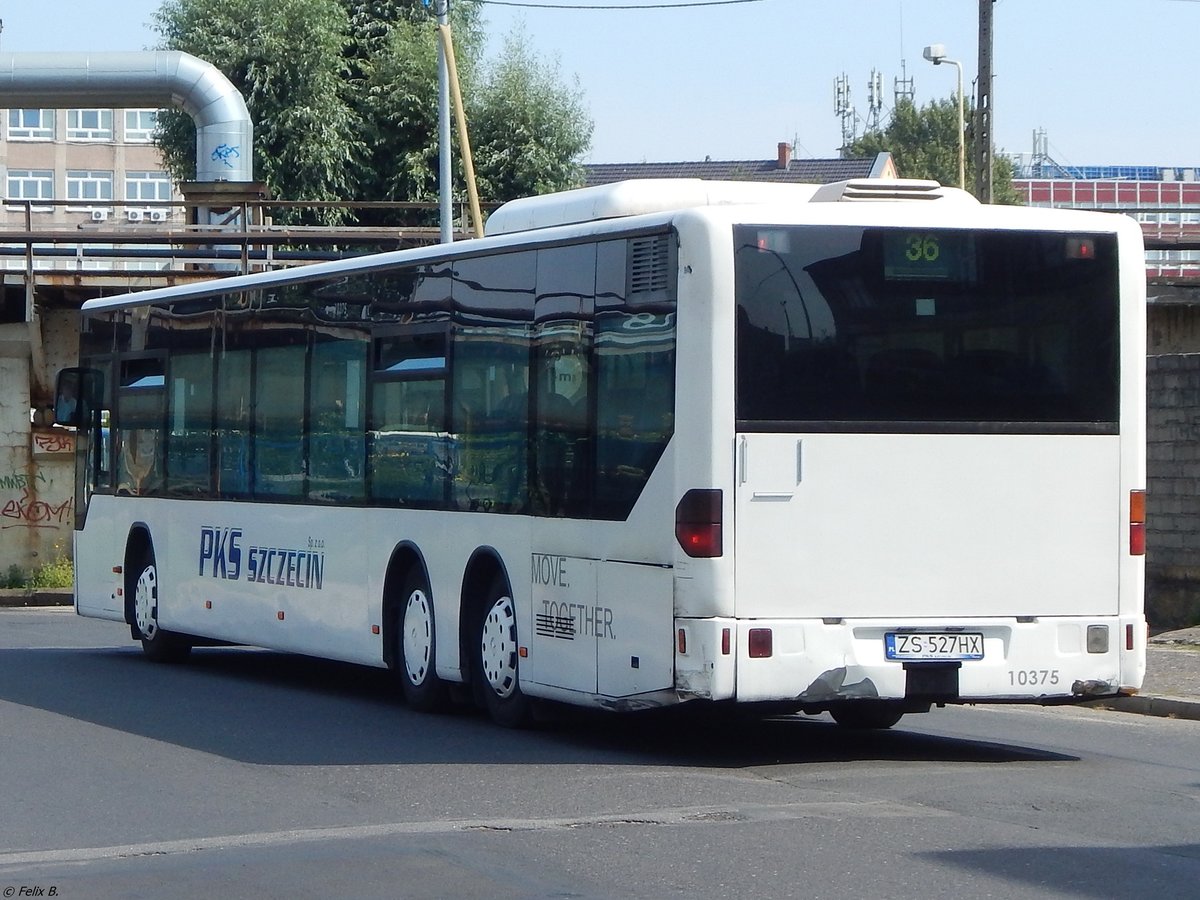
{"points": [[933, 645]]}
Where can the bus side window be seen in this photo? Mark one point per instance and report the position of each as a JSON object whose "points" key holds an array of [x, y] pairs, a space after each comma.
{"points": [[139, 447], [635, 411], [562, 454], [408, 444]]}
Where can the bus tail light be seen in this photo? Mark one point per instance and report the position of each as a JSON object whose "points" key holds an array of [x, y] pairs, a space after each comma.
{"points": [[1137, 523], [698, 523], [760, 643]]}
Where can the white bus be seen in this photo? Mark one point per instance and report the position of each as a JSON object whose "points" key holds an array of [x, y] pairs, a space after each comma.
{"points": [[860, 449]]}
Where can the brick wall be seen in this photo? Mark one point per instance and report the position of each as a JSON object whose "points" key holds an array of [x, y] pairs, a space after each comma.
{"points": [[1173, 490]]}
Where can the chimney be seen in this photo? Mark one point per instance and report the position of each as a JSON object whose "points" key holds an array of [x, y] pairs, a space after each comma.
{"points": [[785, 155]]}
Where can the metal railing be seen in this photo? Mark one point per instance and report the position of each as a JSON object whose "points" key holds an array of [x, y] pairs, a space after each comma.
{"points": [[49, 241]]}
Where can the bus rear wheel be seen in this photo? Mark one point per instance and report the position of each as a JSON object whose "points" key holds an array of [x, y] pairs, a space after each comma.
{"points": [[496, 669], [158, 644], [423, 690], [863, 715]]}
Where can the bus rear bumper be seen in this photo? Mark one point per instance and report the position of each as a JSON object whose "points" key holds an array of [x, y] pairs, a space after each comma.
{"points": [[818, 663]]}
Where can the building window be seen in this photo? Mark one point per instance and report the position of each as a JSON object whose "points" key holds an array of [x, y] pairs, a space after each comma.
{"points": [[140, 125], [30, 184], [89, 125], [141, 186], [31, 124], [89, 186]]}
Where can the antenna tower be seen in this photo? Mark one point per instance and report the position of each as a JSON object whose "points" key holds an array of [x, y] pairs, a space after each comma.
{"points": [[902, 86], [844, 109], [874, 101]]}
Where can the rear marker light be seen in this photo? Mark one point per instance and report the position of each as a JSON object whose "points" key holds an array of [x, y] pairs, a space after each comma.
{"points": [[1128, 637], [682, 642], [760, 643], [698, 523], [1137, 523], [523, 652], [725, 639], [279, 615], [374, 629], [208, 604], [117, 570]]}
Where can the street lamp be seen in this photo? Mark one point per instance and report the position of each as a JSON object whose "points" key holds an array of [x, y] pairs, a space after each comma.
{"points": [[936, 54]]}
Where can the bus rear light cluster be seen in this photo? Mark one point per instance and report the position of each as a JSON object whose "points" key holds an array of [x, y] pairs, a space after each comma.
{"points": [[698, 523], [1137, 523], [760, 643]]}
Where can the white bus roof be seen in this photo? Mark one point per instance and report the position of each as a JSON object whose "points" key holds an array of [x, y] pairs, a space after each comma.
{"points": [[652, 195]]}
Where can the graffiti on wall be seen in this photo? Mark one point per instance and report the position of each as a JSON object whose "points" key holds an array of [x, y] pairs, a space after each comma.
{"points": [[27, 512], [49, 443], [22, 490]]}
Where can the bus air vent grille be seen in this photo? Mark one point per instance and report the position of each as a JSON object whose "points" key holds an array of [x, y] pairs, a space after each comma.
{"points": [[649, 264]]}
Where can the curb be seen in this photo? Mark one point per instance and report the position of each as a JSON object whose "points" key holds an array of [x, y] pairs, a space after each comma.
{"points": [[1163, 707], [21, 597]]}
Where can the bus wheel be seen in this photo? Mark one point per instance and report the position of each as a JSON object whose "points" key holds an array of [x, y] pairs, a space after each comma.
{"points": [[157, 644], [867, 714], [496, 666], [423, 690]]}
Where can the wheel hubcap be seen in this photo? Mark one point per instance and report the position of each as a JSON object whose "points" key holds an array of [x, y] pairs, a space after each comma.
{"points": [[499, 656], [145, 603], [418, 637]]}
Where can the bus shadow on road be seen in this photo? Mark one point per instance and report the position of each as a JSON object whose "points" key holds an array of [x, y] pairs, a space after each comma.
{"points": [[273, 708], [1095, 872]]}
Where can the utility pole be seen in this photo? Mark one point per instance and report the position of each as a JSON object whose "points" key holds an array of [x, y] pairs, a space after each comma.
{"points": [[445, 178], [983, 106]]}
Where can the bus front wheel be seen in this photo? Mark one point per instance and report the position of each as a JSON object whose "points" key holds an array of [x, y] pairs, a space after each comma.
{"points": [[423, 690], [158, 644], [496, 661]]}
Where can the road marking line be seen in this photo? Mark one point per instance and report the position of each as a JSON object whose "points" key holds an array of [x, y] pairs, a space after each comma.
{"points": [[692, 815]]}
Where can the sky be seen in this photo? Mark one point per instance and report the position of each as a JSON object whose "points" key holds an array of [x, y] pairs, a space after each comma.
{"points": [[1111, 82]]}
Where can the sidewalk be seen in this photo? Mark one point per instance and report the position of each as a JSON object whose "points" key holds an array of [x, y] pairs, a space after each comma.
{"points": [[1171, 688], [1172, 685]]}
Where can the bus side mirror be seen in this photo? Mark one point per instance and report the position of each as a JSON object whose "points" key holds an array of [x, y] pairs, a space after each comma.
{"points": [[77, 392]]}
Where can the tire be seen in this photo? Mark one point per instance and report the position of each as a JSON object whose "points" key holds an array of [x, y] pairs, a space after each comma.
{"points": [[495, 666], [158, 644], [416, 656], [865, 715]]}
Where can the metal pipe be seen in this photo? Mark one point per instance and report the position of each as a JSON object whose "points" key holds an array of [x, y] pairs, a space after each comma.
{"points": [[160, 78]]}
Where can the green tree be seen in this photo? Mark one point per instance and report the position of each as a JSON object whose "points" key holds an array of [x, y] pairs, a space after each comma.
{"points": [[924, 144], [286, 57], [343, 94], [530, 128]]}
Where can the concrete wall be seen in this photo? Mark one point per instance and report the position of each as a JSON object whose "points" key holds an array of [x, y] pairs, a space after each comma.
{"points": [[36, 463], [1173, 490]]}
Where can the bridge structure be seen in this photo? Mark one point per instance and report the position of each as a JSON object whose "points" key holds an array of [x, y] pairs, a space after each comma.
{"points": [[50, 269]]}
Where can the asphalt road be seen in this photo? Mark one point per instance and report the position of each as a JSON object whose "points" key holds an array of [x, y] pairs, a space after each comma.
{"points": [[254, 774]]}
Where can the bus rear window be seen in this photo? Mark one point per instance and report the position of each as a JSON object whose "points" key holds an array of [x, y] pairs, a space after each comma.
{"points": [[925, 329]]}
